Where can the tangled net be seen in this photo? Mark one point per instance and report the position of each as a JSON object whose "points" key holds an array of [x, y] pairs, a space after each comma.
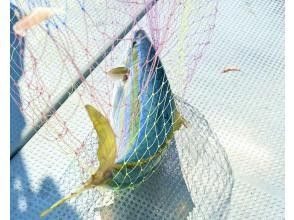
{"points": [[77, 48]]}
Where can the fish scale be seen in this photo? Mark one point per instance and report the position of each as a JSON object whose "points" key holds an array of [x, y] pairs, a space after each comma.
{"points": [[156, 105], [148, 112]]}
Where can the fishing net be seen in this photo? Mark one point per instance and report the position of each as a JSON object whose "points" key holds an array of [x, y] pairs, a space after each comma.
{"points": [[69, 55], [194, 181], [59, 53]]}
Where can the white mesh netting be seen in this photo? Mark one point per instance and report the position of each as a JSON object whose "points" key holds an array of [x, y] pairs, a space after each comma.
{"points": [[237, 105]]}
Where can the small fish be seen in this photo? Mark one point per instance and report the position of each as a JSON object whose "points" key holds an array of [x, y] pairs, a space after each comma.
{"points": [[145, 126], [38, 15], [230, 69]]}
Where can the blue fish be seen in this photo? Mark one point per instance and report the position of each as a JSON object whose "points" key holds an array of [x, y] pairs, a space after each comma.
{"points": [[144, 113], [145, 119]]}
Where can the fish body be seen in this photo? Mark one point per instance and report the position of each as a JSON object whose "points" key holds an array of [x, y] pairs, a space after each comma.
{"points": [[145, 116], [144, 121]]}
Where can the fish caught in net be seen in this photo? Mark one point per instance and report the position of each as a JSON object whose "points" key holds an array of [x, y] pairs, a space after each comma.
{"points": [[149, 148], [193, 180], [145, 118]]}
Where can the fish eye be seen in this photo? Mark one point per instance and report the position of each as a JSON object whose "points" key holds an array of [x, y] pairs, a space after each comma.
{"points": [[125, 77]]}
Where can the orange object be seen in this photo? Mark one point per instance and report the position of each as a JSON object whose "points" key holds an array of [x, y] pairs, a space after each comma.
{"points": [[34, 18]]}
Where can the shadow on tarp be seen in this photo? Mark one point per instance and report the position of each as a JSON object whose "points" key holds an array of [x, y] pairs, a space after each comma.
{"points": [[17, 120], [163, 196], [26, 204]]}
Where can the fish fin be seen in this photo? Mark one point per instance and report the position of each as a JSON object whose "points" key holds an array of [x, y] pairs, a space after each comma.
{"points": [[107, 147], [179, 120], [119, 73]]}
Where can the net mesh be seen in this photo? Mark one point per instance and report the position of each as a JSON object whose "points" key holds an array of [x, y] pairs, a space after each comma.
{"points": [[237, 105], [146, 114], [193, 180], [57, 54]]}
